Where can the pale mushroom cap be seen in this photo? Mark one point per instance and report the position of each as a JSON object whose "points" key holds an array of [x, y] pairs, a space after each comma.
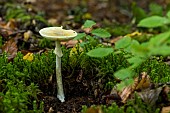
{"points": [[57, 33]]}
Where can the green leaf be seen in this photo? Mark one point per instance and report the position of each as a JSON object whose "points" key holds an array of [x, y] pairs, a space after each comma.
{"points": [[140, 50], [162, 50], [80, 36], [138, 13], [101, 33], [89, 37], [123, 43], [40, 18], [159, 39], [124, 84], [100, 52], [155, 9], [88, 24], [168, 14], [153, 21], [135, 61], [130, 47], [124, 73], [83, 43]]}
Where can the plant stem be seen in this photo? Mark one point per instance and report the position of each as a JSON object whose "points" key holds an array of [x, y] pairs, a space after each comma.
{"points": [[58, 52]]}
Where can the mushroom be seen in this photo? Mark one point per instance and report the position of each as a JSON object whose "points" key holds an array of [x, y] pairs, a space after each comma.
{"points": [[58, 34]]}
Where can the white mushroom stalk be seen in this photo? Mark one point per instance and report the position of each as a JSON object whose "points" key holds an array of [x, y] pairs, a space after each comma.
{"points": [[58, 34]]}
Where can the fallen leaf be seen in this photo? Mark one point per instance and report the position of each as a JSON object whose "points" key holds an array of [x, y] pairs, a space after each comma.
{"points": [[150, 96], [70, 43], [9, 27], [144, 82], [140, 83], [165, 109], [87, 30], [112, 41], [27, 35], [166, 89], [28, 56], [10, 48], [51, 110], [11, 24], [127, 91]]}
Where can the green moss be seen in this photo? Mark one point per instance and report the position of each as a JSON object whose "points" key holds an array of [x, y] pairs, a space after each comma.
{"points": [[17, 97], [157, 69], [42, 68]]}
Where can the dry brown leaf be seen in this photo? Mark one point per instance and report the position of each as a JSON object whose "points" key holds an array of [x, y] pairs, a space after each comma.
{"points": [[70, 43], [8, 28], [150, 96], [112, 41], [51, 110], [139, 84], [87, 30], [166, 89], [10, 47], [127, 91], [11, 24], [144, 82], [165, 109]]}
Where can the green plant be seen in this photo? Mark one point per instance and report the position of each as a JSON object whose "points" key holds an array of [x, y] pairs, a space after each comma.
{"points": [[155, 9], [104, 60], [140, 14], [39, 70], [135, 53], [16, 12], [155, 21], [44, 43], [17, 97], [97, 34], [141, 52], [19, 12], [22, 15]]}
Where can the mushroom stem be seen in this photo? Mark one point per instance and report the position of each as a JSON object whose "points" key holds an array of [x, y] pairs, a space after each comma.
{"points": [[58, 52]]}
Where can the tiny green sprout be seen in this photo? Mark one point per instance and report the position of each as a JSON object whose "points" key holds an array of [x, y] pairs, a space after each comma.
{"points": [[58, 34]]}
